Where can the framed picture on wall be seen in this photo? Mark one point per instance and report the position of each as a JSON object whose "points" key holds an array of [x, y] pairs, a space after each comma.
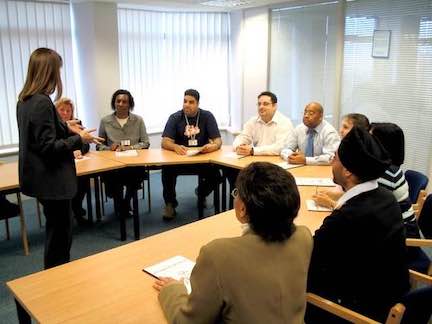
{"points": [[381, 43]]}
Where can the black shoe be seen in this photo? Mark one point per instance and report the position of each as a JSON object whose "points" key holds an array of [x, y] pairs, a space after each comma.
{"points": [[82, 222], [79, 211]]}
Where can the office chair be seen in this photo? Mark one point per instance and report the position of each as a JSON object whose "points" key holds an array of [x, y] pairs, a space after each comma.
{"points": [[414, 307], [425, 217], [416, 182]]}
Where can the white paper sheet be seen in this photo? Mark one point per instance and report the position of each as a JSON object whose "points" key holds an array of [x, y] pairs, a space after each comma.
{"points": [[177, 267], [285, 165], [128, 153], [312, 206], [319, 182], [82, 159], [192, 152]]}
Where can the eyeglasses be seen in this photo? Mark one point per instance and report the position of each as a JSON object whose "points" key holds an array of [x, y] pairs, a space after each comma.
{"points": [[235, 193]]}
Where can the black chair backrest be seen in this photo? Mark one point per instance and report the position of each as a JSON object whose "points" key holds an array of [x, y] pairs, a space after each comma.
{"points": [[418, 304], [425, 218], [416, 182]]}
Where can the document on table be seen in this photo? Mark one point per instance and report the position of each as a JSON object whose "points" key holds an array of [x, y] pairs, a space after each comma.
{"points": [[193, 151], [312, 206], [319, 182], [285, 165], [234, 155], [177, 267], [128, 153], [83, 158]]}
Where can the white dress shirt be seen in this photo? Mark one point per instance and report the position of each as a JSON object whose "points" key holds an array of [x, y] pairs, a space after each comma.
{"points": [[326, 142], [266, 138], [357, 190]]}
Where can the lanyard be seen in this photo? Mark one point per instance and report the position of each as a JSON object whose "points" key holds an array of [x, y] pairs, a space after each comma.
{"points": [[192, 136]]}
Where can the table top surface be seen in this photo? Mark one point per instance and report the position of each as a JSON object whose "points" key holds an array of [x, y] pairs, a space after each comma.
{"points": [[101, 161], [110, 287]]}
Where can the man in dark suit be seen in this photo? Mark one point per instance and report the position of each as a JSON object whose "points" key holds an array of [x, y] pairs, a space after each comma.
{"points": [[359, 255]]}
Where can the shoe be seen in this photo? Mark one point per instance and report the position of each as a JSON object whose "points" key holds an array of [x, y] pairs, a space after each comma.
{"points": [[81, 221], [169, 212], [79, 211]]}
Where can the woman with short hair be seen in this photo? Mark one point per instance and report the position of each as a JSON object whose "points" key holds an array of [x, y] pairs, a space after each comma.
{"points": [[66, 109], [259, 277]]}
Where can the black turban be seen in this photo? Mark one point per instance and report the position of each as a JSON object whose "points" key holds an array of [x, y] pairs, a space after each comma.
{"points": [[363, 155]]}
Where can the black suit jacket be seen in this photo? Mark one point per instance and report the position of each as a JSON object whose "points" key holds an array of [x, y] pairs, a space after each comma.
{"points": [[46, 162], [359, 255]]}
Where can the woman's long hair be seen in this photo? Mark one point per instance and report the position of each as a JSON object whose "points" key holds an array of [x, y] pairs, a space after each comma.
{"points": [[43, 74]]}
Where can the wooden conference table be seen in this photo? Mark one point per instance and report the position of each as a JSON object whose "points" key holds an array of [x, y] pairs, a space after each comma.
{"points": [[110, 287], [9, 183]]}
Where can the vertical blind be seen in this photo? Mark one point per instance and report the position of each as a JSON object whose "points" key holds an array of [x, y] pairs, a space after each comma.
{"points": [[25, 26], [303, 57], [164, 53], [398, 88]]}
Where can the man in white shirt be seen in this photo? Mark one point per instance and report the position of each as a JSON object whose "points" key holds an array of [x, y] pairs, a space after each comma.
{"points": [[316, 140], [267, 133]]}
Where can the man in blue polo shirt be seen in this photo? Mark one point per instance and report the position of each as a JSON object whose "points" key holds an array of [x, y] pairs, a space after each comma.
{"points": [[191, 127]]}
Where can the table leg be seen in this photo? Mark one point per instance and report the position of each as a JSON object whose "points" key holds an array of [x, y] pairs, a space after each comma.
{"points": [[23, 316], [89, 202], [97, 198], [136, 221], [224, 190], [23, 225], [200, 199]]}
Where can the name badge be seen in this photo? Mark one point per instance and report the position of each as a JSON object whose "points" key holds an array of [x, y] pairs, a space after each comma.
{"points": [[192, 142], [125, 142]]}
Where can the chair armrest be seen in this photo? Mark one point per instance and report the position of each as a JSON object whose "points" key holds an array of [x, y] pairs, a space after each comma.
{"points": [[337, 309], [418, 242], [420, 277]]}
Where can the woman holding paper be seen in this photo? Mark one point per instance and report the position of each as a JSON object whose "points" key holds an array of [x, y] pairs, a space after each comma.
{"points": [[259, 277], [123, 130], [46, 162]]}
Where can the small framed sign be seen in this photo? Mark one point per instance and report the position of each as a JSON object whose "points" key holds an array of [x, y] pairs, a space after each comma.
{"points": [[381, 43]]}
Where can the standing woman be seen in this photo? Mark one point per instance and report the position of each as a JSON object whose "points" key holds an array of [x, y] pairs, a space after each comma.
{"points": [[46, 145]]}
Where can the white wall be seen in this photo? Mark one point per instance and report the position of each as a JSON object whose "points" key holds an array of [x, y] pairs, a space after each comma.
{"points": [[97, 58]]}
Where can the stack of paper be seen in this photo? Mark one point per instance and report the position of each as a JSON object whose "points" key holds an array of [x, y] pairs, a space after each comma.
{"points": [[177, 267]]}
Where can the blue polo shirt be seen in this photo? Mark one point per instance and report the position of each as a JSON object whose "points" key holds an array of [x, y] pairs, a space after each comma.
{"points": [[176, 125]]}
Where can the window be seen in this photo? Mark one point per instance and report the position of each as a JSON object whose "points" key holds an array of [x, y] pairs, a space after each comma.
{"points": [[25, 26], [396, 89], [303, 58], [164, 53]]}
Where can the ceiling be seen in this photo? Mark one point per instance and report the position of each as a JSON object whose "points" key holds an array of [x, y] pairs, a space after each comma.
{"points": [[190, 5]]}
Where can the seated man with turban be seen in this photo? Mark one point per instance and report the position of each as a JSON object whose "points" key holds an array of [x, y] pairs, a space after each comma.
{"points": [[359, 254]]}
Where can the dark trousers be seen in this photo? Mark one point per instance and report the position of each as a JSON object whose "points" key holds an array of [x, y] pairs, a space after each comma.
{"points": [[116, 181], [58, 234], [210, 177], [83, 183]]}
